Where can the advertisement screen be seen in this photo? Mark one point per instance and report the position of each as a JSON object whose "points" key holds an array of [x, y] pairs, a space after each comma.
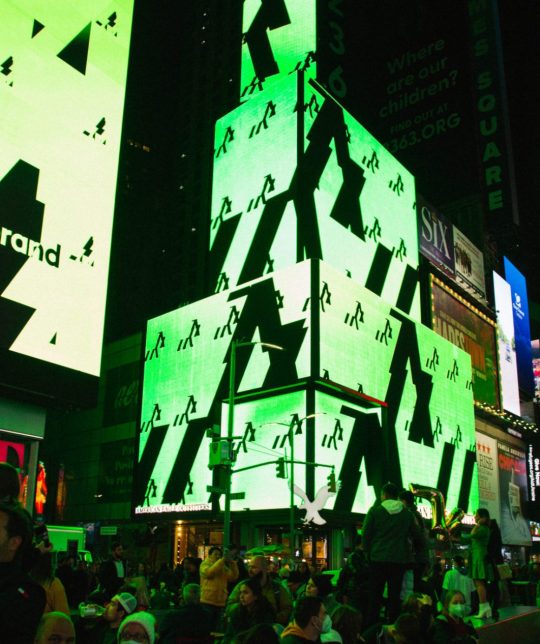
{"points": [[535, 348], [520, 307], [279, 39], [290, 185], [426, 381], [350, 337], [474, 333], [488, 475], [513, 494], [61, 97], [507, 345], [186, 376], [469, 265], [533, 470], [435, 236]]}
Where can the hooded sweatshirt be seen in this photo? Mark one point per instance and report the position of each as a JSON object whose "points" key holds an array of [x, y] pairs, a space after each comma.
{"points": [[389, 531]]}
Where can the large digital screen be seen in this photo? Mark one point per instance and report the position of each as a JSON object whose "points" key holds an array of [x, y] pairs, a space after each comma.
{"points": [[469, 265], [426, 381], [513, 495], [292, 184], [186, 374], [62, 85], [520, 308], [507, 345], [279, 38], [488, 475], [472, 331], [333, 331]]}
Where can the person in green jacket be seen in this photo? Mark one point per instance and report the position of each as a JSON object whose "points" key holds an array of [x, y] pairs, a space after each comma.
{"points": [[479, 569]]}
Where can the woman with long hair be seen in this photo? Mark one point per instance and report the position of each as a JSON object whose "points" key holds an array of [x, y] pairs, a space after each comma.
{"points": [[252, 609], [449, 627], [42, 573]]}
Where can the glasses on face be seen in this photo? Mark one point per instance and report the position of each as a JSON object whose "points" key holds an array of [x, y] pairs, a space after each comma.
{"points": [[136, 637]]}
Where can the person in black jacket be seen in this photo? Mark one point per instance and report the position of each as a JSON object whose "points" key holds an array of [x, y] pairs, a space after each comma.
{"points": [[21, 600], [113, 571], [390, 536], [494, 558], [253, 609]]}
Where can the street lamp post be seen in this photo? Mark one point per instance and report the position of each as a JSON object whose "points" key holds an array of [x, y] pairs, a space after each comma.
{"points": [[230, 432]]}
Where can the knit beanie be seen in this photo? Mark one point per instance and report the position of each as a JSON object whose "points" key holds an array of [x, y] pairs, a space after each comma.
{"points": [[146, 620]]}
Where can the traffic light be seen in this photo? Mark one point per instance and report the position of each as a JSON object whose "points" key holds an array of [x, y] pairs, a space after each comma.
{"points": [[332, 481], [280, 468]]}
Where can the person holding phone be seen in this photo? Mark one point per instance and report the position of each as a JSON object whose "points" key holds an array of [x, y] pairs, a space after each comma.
{"points": [[216, 571]]}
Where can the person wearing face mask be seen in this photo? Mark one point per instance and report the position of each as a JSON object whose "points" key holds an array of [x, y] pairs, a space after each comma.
{"points": [[309, 622], [449, 627], [458, 579]]}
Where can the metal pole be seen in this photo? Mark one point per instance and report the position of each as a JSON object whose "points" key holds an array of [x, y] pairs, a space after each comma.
{"points": [[230, 434], [291, 509]]}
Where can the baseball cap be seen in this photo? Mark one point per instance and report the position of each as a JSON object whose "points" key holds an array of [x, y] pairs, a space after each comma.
{"points": [[127, 601]]}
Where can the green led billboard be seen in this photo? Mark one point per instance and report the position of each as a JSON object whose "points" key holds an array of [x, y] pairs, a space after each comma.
{"points": [[186, 372], [279, 38], [293, 184], [425, 380], [350, 337], [62, 83]]}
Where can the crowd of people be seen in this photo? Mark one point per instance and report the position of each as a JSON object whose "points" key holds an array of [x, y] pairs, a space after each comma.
{"points": [[387, 591]]}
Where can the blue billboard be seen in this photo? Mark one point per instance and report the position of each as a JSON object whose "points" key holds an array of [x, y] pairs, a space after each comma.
{"points": [[520, 311]]}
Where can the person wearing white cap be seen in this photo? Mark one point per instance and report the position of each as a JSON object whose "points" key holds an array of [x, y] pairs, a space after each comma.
{"points": [[118, 608], [139, 627]]}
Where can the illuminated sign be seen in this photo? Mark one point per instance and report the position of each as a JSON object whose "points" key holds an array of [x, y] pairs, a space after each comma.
{"points": [[279, 38], [61, 96], [513, 494], [507, 345], [488, 475], [533, 471], [535, 349], [349, 337], [469, 265], [520, 308], [436, 236], [292, 184], [472, 331]]}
